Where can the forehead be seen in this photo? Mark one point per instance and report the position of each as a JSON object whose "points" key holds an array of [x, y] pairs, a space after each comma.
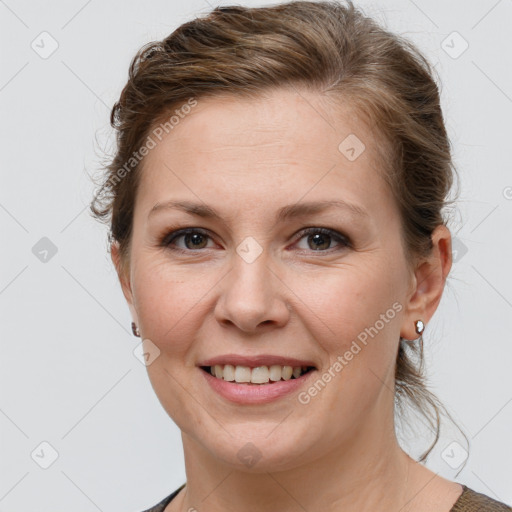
{"points": [[285, 144], [288, 118]]}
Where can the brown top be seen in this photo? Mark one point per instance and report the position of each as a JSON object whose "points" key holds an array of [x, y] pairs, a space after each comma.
{"points": [[469, 501]]}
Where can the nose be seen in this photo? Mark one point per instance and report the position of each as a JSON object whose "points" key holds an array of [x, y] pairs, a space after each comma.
{"points": [[252, 297]]}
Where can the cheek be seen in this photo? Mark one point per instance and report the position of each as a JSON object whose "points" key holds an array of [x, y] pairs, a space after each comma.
{"points": [[354, 316], [169, 302], [336, 305], [345, 302], [169, 306]]}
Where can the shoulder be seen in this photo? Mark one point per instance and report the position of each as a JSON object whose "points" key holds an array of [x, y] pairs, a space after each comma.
{"points": [[472, 501], [160, 507], [469, 501]]}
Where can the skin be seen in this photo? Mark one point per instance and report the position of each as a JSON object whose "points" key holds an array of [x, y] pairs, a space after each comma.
{"points": [[246, 158]]}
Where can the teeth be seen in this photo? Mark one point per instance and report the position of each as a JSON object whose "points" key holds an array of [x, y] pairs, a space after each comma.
{"points": [[242, 374], [257, 375], [287, 372], [275, 372], [260, 375], [229, 373]]}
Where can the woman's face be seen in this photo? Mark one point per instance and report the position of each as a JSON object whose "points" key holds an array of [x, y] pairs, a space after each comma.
{"points": [[250, 282]]}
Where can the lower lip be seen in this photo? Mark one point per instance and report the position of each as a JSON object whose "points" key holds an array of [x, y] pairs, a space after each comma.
{"points": [[255, 393]]}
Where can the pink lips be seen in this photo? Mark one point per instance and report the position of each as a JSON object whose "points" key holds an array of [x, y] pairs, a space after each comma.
{"points": [[255, 393]]}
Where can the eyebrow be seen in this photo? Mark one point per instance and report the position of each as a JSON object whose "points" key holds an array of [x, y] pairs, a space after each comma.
{"points": [[284, 213]]}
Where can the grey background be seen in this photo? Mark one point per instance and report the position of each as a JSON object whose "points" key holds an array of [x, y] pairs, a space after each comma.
{"points": [[68, 373]]}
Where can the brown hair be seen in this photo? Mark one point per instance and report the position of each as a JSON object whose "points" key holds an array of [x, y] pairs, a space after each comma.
{"points": [[325, 47]]}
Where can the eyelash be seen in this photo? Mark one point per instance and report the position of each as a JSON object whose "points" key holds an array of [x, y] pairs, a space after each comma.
{"points": [[171, 237]]}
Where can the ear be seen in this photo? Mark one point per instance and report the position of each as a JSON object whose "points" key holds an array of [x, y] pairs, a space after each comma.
{"points": [[428, 283], [123, 273]]}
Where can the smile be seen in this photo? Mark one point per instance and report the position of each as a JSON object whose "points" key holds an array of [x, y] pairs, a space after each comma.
{"points": [[256, 385], [260, 375]]}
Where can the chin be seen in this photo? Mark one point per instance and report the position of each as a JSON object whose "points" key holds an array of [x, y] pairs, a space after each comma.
{"points": [[260, 453]]}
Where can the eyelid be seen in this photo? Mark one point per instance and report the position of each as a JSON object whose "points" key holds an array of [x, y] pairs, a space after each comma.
{"points": [[174, 233], [340, 237]]}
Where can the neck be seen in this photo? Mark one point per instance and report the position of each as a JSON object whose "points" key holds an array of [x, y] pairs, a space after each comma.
{"points": [[367, 473]]}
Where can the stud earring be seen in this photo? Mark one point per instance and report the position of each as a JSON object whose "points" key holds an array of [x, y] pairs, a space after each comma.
{"points": [[135, 330], [420, 326]]}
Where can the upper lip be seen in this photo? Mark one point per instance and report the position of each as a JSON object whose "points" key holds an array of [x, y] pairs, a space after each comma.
{"points": [[254, 361]]}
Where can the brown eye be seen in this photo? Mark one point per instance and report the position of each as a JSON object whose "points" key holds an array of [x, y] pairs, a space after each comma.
{"points": [[193, 239], [319, 241], [196, 240], [322, 239]]}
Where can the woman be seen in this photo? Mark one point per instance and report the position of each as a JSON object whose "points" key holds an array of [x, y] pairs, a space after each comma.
{"points": [[276, 206]]}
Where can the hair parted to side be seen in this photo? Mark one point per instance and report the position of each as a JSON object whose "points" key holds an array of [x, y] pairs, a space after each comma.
{"points": [[325, 47]]}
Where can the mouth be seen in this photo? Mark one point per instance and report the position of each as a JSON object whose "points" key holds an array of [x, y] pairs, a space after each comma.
{"points": [[257, 375]]}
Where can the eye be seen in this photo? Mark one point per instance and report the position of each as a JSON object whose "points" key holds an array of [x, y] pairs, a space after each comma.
{"points": [[320, 239], [193, 239]]}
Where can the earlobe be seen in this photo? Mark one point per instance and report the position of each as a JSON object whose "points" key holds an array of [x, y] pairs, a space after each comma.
{"points": [[429, 281], [124, 279]]}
